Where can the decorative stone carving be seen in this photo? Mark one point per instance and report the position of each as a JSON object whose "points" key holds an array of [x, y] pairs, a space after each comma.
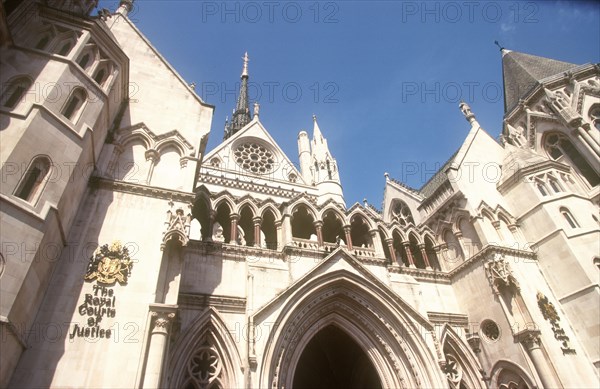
{"points": [[549, 312], [561, 104], [499, 274], [453, 371], [162, 321], [177, 224], [217, 233], [110, 264]]}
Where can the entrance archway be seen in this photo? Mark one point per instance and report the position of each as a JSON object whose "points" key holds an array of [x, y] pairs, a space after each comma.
{"points": [[332, 359]]}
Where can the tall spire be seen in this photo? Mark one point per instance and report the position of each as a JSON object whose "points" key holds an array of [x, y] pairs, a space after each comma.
{"points": [[241, 114]]}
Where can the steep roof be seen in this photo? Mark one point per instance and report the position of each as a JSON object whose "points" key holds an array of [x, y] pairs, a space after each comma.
{"points": [[521, 72]]}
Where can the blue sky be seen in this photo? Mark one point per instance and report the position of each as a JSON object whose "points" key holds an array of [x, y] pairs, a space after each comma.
{"points": [[383, 77]]}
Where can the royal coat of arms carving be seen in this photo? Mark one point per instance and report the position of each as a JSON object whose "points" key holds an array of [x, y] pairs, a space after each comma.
{"points": [[110, 264]]}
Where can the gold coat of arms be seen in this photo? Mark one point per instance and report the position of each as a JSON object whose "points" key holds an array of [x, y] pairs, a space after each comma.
{"points": [[110, 264]]}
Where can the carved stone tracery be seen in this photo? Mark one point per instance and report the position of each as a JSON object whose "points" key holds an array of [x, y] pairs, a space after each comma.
{"points": [[499, 274]]}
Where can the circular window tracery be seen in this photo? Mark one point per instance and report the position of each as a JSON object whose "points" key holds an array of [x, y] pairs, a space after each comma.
{"points": [[402, 213], [255, 158], [490, 330]]}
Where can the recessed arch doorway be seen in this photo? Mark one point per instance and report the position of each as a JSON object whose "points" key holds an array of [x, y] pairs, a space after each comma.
{"points": [[333, 359]]}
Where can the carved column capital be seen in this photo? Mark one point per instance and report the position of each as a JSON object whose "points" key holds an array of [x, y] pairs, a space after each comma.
{"points": [[529, 338], [162, 320], [474, 342]]}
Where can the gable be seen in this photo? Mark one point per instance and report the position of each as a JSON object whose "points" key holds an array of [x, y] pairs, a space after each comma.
{"points": [[252, 153], [340, 265]]}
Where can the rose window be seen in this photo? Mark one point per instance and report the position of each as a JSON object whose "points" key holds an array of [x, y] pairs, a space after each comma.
{"points": [[402, 213], [254, 158], [490, 330]]}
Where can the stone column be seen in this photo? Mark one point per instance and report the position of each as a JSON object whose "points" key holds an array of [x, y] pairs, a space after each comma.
{"points": [[234, 219], [212, 216], [348, 237], [153, 157], [278, 225], [406, 246], [425, 258], [530, 339], [461, 243], [377, 242], [162, 316], [475, 343], [257, 220], [496, 225], [588, 141], [390, 244], [319, 228]]}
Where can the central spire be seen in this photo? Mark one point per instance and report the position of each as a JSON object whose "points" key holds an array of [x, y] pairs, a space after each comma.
{"points": [[241, 114]]}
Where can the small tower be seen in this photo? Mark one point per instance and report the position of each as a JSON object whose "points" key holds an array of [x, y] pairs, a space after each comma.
{"points": [[304, 156], [241, 114], [324, 167]]}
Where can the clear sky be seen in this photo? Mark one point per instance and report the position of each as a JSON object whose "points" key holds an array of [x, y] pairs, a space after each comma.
{"points": [[383, 77]]}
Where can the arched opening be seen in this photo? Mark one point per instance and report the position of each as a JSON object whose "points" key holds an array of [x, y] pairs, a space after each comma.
{"points": [[33, 179], [399, 249], [246, 225], [510, 379], [269, 230], [416, 251], [332, 359], [359, 232], [471, 242], [507, 235], [431, 253], [201, 213], [73, 106], [560, 148], [386, 249], [15, 91], [222, 228], [453, 252], [302, 223], [332, 227], [569, 217]]}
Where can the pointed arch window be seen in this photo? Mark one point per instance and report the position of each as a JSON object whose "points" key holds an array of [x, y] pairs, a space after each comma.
{"points": [[33, 180], [43, 42], [15, 91], [554, 184], [74, 105], [541, 188], [560, 148], [65, 48], [84, 61], [569, 217]]}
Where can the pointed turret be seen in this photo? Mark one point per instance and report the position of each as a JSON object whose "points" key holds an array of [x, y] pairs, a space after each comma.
{"points": [[241, 114], [521, 72], [324, 167]]}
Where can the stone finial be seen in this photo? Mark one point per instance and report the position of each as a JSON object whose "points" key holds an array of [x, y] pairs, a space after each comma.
{"points": [[245, 69], [466, 110], [125, 6], [256, 108]]}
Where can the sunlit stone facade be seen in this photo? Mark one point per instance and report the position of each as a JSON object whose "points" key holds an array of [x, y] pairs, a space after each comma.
{"points": [[133, 257]]}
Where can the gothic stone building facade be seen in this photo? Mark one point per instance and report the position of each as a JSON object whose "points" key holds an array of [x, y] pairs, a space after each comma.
{"points": [[131, 257]]}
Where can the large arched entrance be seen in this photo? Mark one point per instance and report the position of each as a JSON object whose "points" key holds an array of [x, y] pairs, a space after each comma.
{"points": [[332, 359]]}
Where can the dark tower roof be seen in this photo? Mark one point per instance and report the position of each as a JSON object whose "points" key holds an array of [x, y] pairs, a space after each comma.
{"points": [[521, 72], [241, 114]]}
